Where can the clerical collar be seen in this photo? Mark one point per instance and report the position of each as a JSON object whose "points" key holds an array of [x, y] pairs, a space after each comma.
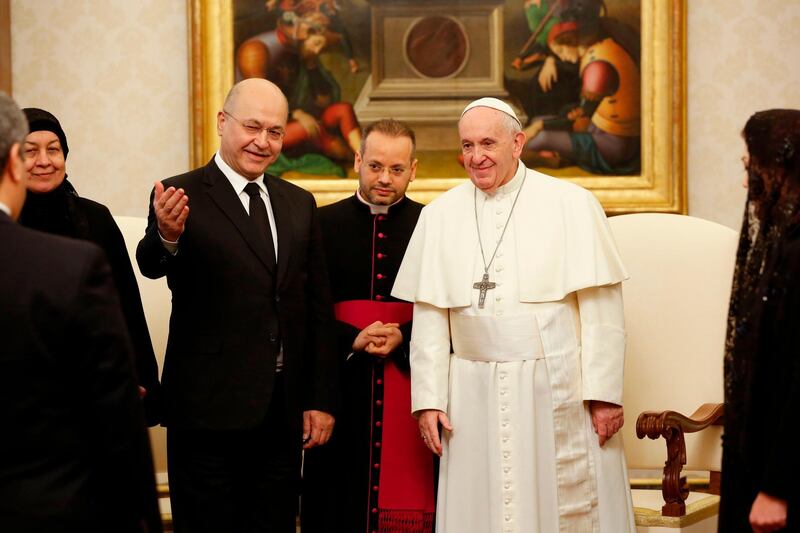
{"points": [[374, 208], [5, 209], [238, 182], [512, 186]]}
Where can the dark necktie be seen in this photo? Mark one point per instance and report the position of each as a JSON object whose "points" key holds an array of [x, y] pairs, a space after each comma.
{"points": [[259, 218]]}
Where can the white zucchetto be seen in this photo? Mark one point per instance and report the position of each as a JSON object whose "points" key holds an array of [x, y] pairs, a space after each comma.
{"points": [[493, 103]]}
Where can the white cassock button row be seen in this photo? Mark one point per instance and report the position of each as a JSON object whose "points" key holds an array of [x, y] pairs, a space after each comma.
{"points": [[506, 451]]}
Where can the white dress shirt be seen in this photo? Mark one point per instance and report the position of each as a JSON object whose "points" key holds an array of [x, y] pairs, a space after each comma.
{"points": [[238, 182]]}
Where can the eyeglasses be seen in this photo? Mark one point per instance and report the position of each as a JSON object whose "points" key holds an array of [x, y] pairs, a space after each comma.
{"points": [[274, 133], [395, 172]]}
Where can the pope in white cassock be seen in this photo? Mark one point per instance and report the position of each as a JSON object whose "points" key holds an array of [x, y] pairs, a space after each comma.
{"points": [[519, 271]]}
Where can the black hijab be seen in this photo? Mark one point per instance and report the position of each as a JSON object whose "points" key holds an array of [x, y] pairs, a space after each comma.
{"points": [[54, 211]]}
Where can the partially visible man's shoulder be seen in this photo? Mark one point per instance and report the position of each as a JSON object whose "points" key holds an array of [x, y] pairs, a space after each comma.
{"points": [[450, 198], [557, 185], [289, 188], [553, 189], [93, 208], [338, 218], [43, 249], [186, 179], [414, 206], [336, 208]]}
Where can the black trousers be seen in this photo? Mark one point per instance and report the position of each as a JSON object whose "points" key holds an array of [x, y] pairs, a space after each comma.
{"points": [[237, 481]]}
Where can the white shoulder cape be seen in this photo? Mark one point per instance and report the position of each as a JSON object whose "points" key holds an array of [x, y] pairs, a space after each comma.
{"points": [[562, 237]]}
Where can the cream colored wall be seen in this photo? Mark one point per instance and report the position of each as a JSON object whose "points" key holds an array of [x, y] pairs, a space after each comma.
{"points": [[742, 58], [115, 73]]}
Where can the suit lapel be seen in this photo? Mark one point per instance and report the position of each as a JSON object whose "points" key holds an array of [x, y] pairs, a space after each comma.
{"points": [[283, 222], [223, 194]]}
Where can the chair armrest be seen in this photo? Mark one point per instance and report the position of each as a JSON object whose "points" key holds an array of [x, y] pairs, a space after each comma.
{"points": [[672, 425]]}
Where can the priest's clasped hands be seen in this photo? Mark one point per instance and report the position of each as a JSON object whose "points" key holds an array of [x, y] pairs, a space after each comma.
{"points": [[379, 339]]}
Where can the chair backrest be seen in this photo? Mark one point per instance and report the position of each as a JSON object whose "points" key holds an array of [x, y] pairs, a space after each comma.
{"points": [[157, 302], [676, 304]]}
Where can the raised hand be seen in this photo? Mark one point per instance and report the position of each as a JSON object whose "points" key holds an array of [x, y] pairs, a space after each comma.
{"points": [[171, 209]]}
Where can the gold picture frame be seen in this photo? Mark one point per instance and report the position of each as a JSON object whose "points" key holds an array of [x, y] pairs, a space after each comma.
{"points": [[5, 46], [659, 187]]}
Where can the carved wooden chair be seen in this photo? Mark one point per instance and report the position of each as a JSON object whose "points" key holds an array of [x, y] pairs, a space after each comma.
{"points": [[676, 304]]}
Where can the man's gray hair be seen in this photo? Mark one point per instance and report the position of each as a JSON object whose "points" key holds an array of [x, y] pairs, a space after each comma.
{"points": [[511, 124], [13, 127]]}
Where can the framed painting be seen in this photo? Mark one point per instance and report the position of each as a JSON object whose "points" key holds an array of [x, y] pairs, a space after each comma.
{"points": [[598, 85], [5, 46]]}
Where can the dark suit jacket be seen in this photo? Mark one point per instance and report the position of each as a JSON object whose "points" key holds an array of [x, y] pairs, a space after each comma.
{"points": [[75, 454], [89, 220], [231, 310]]}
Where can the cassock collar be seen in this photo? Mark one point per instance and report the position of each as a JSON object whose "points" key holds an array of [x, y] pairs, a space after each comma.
{"points": [[377, 209], [5, 209], [510, 187]]}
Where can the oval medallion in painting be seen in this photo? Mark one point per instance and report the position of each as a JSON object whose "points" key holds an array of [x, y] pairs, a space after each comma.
{"points": [[436, 46]]}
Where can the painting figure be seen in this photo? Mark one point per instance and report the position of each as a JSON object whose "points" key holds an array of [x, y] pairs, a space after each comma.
{"points": [[322, 128], [552, 83], [602, 133]]}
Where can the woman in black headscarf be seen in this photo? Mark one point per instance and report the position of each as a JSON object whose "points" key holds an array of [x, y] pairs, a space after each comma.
{"points": [[53, 206], [762, 353]]}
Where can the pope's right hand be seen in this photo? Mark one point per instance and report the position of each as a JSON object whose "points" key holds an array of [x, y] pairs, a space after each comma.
{"points": [[172, 210], [429, 420]]}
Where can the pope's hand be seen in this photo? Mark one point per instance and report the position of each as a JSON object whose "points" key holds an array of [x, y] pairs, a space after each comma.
{"points": [[429, 420], [607, 419]]}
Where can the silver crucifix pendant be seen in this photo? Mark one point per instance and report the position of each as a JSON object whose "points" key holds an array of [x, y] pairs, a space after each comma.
{"points": [[483, 286]]}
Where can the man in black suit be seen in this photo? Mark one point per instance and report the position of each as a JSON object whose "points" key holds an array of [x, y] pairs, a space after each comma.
{"points": [[249, 375], [75, 454]]}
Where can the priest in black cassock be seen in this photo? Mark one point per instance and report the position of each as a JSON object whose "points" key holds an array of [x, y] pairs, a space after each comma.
{"points": [[375, 474]]}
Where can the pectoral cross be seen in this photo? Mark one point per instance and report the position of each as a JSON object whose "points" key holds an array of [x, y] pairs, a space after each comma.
{"points": [[483, 286]]}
